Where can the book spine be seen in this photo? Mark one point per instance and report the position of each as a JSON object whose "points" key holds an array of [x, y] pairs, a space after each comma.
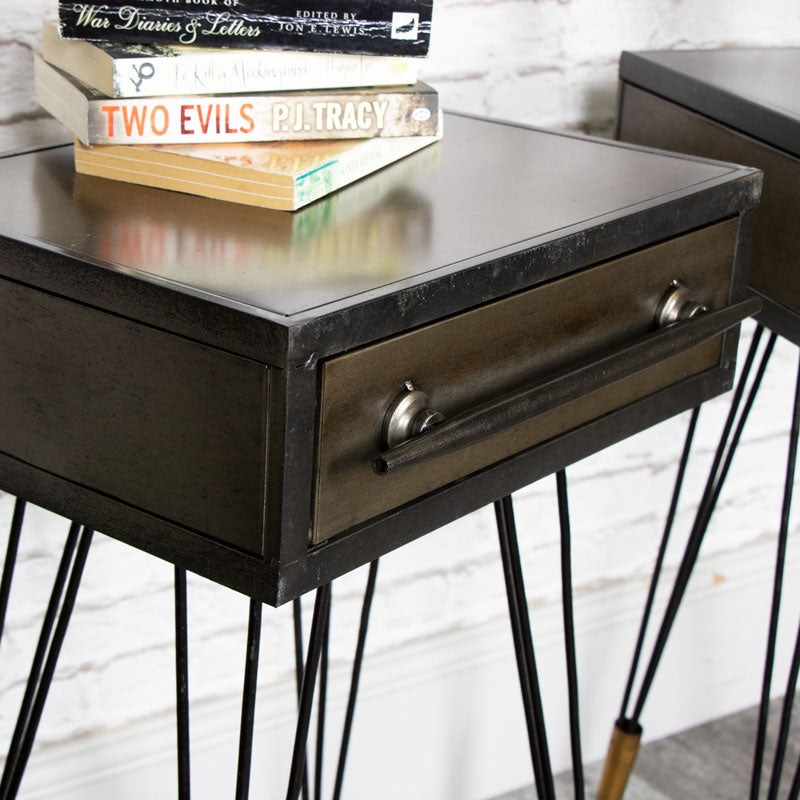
{"points": [[248, 71], [60, 98], [376, 27], [262, 118]]}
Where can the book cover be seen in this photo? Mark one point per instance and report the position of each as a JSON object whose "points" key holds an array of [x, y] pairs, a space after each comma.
{"points": [[279, 175], [257, 117], [144, 70], [378, 27]]}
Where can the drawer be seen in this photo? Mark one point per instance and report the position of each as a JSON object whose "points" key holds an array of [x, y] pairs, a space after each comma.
{"points": [[467, 361]]}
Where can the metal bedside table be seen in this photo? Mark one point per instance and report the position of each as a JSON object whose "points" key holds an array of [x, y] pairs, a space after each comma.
{"points": [[272, 400], [741, 106]]}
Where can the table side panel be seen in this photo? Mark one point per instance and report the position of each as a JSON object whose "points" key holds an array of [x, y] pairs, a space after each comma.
{"points": [[648, 119], [481, 354], [160, 422]]}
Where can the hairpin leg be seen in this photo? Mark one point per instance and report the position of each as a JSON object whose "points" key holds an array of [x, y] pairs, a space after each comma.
{"points": [[297, 616], [569, 635], [625, 740], [769, 661], [523, 646], [785, 724], [322, 702], [359, 655], [648, 607], [794, 790], [11, 559], [248, 701], [707, 506], [627, 730], [182, 684], [44, 661], [307, 692]]}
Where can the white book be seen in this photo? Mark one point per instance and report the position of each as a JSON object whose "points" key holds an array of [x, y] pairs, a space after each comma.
{"points": [[135, 70]]}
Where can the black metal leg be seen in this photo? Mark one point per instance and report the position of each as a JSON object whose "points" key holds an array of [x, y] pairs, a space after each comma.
{"points": [[297, 616], [786, 721], [523, 646], [648, 606], [622, 751], [39, 656], [11, 559], [716, 479], [359, 655], [323, 697], [780, 558], [182, 684], [248, 701], [569, 635], [45, 658], [307, 692], [794, 790]]}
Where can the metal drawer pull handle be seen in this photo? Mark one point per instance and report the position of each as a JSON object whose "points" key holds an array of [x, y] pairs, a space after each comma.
{"points": [[495, 416]]}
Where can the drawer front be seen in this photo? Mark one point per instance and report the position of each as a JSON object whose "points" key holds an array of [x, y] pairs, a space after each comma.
{"points": [[467, 360], [650, 120], [162, 423]]}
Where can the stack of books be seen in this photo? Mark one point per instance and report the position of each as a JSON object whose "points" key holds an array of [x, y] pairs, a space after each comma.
{"points": [[253, 101]]}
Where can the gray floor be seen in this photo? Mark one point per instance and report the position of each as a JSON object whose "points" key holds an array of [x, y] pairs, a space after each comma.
{"points": [[711, 762]]}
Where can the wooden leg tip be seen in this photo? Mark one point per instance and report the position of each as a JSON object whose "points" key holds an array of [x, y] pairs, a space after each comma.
{"points": [[619, 760]]}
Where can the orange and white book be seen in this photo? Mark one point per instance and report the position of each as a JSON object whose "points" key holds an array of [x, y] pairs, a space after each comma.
{"points": [[279, 175], [246, 117]]}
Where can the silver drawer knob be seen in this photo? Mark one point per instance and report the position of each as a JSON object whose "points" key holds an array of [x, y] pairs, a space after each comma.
{"points": [[408, 415], [677, 304]]}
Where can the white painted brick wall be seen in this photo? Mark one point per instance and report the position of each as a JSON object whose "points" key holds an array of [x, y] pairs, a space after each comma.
{"points": [[545, 62]]}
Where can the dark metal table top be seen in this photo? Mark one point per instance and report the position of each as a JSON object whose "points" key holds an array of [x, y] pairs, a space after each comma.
{"points": [[752, 90], [395, 240]]}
